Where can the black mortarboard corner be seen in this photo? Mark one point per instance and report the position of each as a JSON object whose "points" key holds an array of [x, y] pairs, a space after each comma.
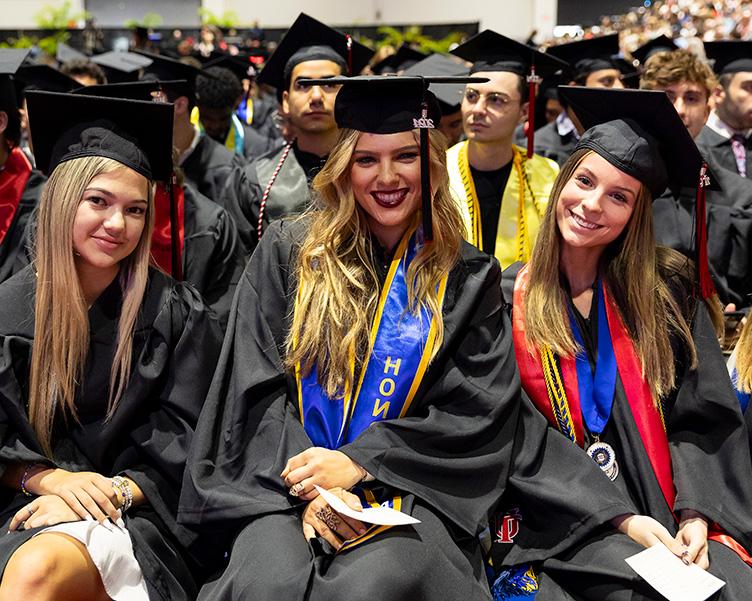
{"points": [[134, 133], [730, 56], [176, 77], [10, 61], [587, 56], [65, 53], [641, 134], [44, 77], [308, 40], [491, 51], [389, 105], [121, 66], [240, 65], [132, 90], [439, 65], [662, 43], [404, 58]]}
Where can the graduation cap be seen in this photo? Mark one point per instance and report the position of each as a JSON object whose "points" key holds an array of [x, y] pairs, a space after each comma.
{"points": [[121, 66], [404, 58], [662, 43], [296, 47], [587, 56], [490, 51], [177, 78], [439, 65], [388, 105], [132, 90], [240, 65], [134, 133], [44, 77], [10, 61], [730, 56], [65, 53], [641, 134]]}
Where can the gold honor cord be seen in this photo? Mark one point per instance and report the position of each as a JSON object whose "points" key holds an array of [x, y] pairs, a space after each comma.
{"points": [[522, 242], [557, 394]]}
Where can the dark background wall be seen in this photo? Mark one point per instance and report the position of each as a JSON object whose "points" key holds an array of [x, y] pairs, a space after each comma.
{"points": [[588, 12], [113, 13]]}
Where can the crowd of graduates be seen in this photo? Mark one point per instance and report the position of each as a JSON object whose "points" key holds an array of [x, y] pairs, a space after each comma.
{"points": [[503, 290]]}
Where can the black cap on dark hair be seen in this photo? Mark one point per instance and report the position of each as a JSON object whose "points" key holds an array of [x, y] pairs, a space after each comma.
{"points": [[308, 40], [65, 53], [177, 78], [587, 56], [132, 90], [44, 77], [404, 58], [134, 133], [728, 57], [10, 62], [439, 65], [121, 66]]}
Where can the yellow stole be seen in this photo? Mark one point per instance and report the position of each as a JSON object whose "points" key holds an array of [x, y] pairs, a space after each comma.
{"points": [[523, 202]]}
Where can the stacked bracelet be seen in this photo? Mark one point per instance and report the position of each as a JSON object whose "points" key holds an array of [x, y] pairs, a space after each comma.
{"points": [[24, 479], [123, 488]]}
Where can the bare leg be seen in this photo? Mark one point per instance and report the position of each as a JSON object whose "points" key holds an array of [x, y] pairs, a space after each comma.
{"points": [[52, 567]]}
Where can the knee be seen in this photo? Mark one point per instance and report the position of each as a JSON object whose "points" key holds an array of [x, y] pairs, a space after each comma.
{"points": [[33, 567]]}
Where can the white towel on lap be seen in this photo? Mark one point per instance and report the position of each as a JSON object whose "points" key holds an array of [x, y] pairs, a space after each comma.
{"points": [[111, 550]]}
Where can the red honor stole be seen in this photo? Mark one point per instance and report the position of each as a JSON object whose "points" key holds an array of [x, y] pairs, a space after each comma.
{"points": [[13, 179], [563, 410], [161, 238]]}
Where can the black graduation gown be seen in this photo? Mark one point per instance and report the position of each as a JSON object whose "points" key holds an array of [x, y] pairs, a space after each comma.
{"points": [[552, 145], [711, 467], [729, 242], [176, 345], [13, 254], [212, 257], [719, 148], [288, 196], [451, 456], [209, 166], [256, 143]]}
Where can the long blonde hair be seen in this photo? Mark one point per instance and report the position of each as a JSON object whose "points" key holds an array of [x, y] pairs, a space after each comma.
{"points": [[338, 284], [631, 267], [61, 328], [744, 358]]}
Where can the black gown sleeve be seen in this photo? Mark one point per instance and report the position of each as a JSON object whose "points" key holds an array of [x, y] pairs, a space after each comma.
{"points": [[708, 439], [248, 430], [241, 197]]}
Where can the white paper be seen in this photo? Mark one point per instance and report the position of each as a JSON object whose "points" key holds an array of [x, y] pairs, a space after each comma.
{"points": [[383, 516], [666, 573]]}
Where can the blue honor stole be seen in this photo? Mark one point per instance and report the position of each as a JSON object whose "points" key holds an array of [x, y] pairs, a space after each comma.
{"points": [[744, 397], [402, 342]]}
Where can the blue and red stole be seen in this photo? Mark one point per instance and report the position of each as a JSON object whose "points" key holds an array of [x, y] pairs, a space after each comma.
{"points": [[402, 342], [14, 176], [556, 394]]}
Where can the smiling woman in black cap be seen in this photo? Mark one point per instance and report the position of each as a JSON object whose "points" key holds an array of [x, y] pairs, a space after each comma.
{"points": [[103, 368], [368, 353], [618, 350]]}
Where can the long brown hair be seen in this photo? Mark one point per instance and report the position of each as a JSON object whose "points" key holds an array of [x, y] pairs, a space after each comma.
{"points": [[631, 267], [61, 328], [338, 284], [744, 358]]}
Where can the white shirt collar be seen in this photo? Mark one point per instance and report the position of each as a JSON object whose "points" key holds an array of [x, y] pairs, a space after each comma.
{"points": [[189, 151]]}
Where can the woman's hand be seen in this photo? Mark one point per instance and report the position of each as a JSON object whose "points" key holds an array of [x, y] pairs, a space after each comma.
{"points": [[319, 519], [693, 536], [86, 493], [327, 469], [47, 510], [647, 532]]}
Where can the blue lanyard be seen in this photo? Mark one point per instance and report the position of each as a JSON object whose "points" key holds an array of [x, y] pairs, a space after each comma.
{"points": [[596, 389]]}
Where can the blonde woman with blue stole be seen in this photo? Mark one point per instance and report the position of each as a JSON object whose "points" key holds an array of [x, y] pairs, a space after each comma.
{"points": [[103, 368], [740, 370], [617, 346], [368, 353]]}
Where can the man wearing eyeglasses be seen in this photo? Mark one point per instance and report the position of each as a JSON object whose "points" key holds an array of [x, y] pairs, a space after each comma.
{"points": [[502, 192]]}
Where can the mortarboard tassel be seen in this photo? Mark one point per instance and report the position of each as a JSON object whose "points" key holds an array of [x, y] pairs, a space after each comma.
{"points": [[349, 55], [177, 268], [705, 282], [425, 173], [532, 80]]}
